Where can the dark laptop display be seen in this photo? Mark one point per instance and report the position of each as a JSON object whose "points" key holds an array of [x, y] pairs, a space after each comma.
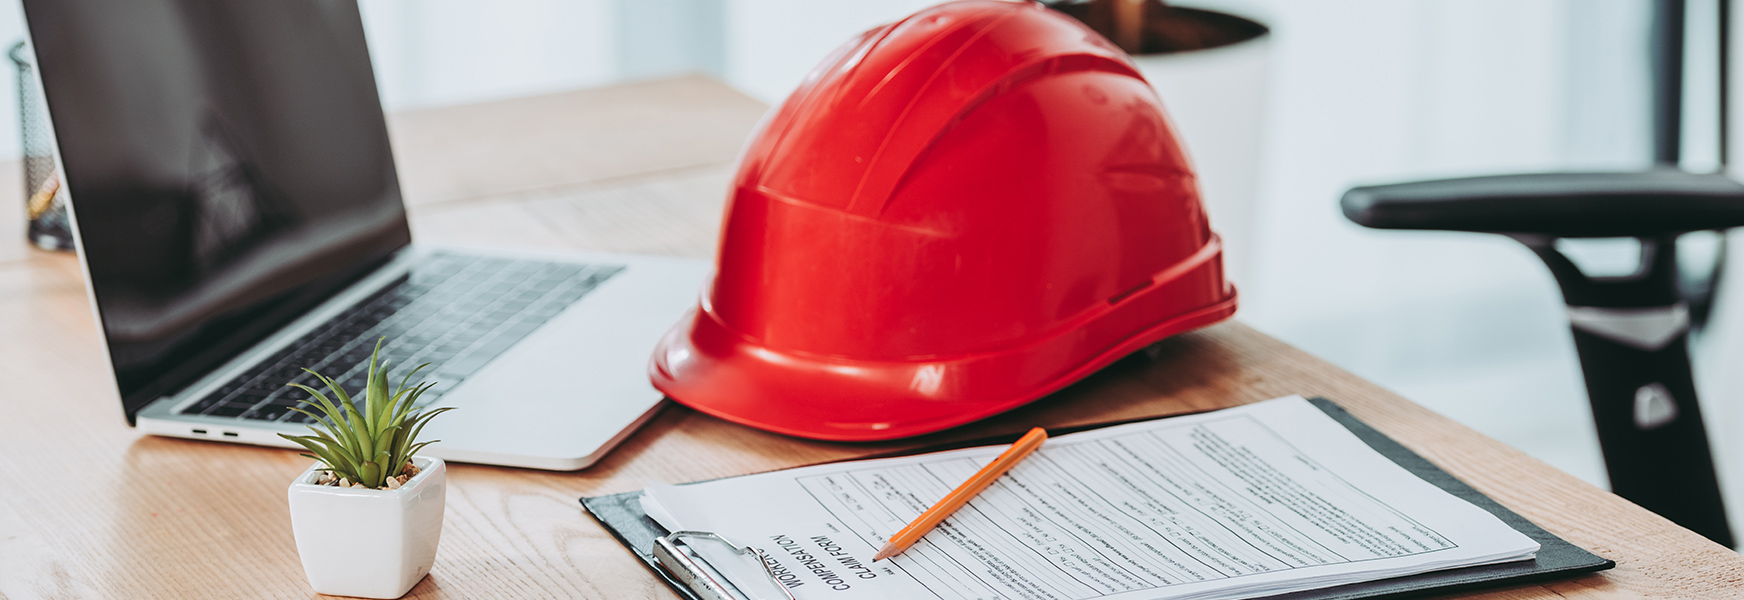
{"points": [[228, 166]]}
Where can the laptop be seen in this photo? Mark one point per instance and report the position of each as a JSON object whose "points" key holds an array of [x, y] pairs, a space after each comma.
{"points": [[239, 218]]}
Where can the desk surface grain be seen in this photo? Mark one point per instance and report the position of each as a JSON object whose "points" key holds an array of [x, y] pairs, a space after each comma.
{"points": [[91, 508]]}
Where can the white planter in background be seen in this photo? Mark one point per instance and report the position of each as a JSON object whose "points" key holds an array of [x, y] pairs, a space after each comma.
{"points": [[1217, 100], [369, 543]]}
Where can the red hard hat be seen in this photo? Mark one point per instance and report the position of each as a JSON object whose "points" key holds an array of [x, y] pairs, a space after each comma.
{"points": [[953, 216]]}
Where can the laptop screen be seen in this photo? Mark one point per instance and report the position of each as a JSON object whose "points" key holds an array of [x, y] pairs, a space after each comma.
{"points": [[228, 168]]}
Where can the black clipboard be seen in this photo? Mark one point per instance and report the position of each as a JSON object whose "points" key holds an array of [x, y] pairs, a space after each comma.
{"points": [[622, 515]]}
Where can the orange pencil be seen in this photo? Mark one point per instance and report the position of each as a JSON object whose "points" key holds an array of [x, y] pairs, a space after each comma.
{"points": [[960, 496]]}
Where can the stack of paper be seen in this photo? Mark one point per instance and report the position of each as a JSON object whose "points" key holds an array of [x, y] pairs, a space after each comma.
{"points": [[1264, 499]]}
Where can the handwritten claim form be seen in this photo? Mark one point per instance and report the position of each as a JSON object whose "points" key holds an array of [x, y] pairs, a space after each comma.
{"points": [[1257, 500]]}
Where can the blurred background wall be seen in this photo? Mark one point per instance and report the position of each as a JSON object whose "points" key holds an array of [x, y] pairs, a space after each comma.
{"points": [[1357, 91]]}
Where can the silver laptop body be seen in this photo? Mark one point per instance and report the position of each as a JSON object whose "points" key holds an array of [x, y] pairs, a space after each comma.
{"points": [[238, 214]]}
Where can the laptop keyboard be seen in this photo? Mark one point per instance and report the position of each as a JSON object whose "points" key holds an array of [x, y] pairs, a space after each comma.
{"points": [[455, 312]]}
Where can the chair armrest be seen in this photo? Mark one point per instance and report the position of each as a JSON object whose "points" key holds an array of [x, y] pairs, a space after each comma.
{"points": [[1639, 204]]}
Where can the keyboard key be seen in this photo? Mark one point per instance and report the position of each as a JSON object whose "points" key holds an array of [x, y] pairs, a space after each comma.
{"points": [[520, 330], [248, 397], [284, 401], [229, 410], [208, 402], [269, 413]]}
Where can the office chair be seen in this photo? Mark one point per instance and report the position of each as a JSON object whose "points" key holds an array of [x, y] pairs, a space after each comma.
{"points": [[1631, 332]]}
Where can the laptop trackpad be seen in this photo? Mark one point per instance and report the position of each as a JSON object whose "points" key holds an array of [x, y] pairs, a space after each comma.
{"points": [[565, 391]]}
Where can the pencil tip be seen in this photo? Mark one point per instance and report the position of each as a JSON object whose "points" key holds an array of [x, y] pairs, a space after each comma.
{"points": [[887, 551]]}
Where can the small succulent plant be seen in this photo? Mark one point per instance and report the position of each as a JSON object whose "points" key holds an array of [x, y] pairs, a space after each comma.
{"points": [[371, 444]]}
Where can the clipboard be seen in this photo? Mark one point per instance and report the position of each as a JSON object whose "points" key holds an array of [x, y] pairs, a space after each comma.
{"points": [[622, 515]]}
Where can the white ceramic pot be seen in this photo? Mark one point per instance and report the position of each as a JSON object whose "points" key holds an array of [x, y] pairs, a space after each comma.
{"points": [[369, 543]]}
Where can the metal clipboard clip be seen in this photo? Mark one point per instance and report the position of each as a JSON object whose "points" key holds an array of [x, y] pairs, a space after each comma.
{"points": [[707, 583]]}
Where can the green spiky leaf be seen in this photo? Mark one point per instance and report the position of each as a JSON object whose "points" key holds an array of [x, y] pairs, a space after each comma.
{"points": [[370, 474], [369, 443]]}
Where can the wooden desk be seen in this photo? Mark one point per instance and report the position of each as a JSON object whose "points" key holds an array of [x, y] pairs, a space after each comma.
{"points": [[90, 508]]}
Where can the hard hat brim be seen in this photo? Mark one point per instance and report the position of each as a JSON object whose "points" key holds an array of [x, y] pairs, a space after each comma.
{"points": [[702, 363]]}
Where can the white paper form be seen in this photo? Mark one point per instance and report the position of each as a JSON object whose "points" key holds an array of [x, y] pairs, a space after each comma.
{"points": [[1266, 498]]}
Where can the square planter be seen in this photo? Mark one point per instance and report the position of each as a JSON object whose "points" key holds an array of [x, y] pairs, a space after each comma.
{"points": [[369, 543]]}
